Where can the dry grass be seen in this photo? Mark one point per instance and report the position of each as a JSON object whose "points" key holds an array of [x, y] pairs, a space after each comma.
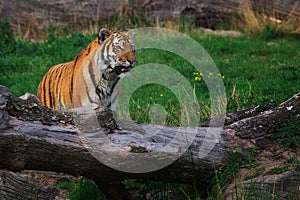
{"points": [[256, 21], [251, 20]]}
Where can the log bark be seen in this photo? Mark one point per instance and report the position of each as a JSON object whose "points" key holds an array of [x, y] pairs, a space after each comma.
{"points": [[17, 187], [38, 14], [279, 186], [52, 142]]}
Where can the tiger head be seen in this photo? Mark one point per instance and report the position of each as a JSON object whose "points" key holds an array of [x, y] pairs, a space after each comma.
{"points": [[119, 50]]}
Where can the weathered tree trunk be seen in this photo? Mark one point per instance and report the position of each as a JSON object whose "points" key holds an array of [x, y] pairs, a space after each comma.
{"points": [[36, 138], [17, 187], [24, 14]]}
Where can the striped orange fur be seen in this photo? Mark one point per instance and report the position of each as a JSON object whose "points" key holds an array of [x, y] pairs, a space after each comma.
{"points": [[92, 77]]}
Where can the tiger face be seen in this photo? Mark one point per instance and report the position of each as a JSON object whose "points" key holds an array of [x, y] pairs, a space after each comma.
{"points": [[121, 56]]}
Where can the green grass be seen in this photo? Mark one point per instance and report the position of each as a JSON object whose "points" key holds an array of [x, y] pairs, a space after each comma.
{"points": [[279, 170], [255, 70], [23, 63]]}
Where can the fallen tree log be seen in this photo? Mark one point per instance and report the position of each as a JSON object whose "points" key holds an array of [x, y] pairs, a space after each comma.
{"points": [[36, 138]]}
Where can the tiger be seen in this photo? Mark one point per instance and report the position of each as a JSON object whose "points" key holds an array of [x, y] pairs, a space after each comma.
{"points": [[93, 77]]}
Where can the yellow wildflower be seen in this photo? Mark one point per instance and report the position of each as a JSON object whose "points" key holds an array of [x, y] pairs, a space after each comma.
{"points": [[197, 78]]}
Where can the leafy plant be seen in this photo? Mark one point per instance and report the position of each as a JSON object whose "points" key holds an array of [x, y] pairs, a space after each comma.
{"points": [[70, 186], [84, 189]]}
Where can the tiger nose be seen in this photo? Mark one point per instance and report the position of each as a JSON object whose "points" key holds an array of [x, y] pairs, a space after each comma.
{"points": [[132, 62]]}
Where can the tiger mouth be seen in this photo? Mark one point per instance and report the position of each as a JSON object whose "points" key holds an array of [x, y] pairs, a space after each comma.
{"points": [[121, 69]]}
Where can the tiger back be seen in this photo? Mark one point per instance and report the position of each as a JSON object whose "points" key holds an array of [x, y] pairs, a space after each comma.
{"points": [[92, 78]]}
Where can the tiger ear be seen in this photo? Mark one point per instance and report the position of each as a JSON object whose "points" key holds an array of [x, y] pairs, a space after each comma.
{"points": [[131, 33], [104, 33]]}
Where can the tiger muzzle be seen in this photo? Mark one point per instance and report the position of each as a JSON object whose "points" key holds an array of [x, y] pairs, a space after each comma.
{"points": [[122, 69]]}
